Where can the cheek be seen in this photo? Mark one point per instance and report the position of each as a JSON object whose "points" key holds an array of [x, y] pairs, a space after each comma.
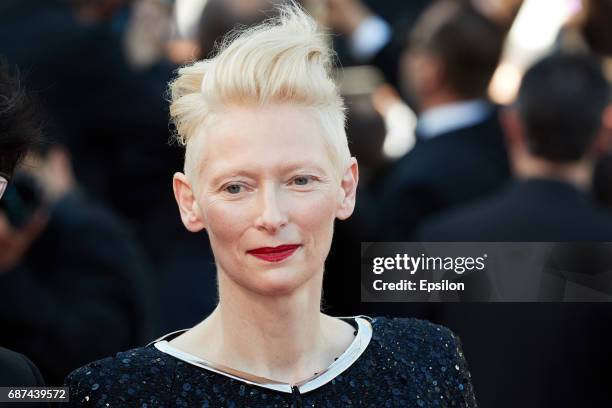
{"points": [[315, 216], [225, 221]]}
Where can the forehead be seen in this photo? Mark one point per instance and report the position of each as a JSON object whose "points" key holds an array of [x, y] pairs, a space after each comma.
{"points": [[264, 138]]}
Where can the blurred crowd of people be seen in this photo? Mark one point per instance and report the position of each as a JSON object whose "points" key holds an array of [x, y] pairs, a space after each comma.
{"points": [[94, 259]]}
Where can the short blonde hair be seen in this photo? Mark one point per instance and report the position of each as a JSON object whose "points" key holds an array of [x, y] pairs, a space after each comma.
{"points": [[283, 60]]}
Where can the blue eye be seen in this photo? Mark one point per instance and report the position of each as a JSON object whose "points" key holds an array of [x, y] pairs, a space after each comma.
{"points": [[233, 188], [301, 180]]}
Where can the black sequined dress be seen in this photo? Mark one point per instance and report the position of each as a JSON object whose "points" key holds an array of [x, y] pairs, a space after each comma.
{"points": [[391, 363]]}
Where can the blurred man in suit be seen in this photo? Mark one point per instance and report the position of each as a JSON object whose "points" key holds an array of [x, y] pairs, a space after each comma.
{"points": [[70, 271], [553, 141], [459, 154], [18, 130], [540, 354]]}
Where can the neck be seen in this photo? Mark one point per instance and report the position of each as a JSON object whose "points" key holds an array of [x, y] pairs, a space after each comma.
{"points": [[438, 99], [285, 338], [577, 174]]}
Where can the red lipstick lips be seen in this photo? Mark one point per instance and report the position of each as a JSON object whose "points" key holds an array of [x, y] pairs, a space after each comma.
{"points": [[274, 254]]}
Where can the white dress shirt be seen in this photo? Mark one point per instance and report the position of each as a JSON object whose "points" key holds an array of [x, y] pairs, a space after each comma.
{"points": [[452, 116]]}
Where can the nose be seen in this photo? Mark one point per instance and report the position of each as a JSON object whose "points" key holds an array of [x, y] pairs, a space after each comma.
{"points": [[271, 216]]}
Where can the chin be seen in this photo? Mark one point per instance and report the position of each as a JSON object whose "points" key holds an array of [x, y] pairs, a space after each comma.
{"points": [[279, 281]]}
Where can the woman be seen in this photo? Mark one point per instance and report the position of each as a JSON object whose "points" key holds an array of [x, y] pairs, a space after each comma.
{"points": [[267, 171]]}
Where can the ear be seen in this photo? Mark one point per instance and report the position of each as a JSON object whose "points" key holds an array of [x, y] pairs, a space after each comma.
{"points": [[513, 128], [603, 140], [348, 190], [603, 144], [187, 203]]}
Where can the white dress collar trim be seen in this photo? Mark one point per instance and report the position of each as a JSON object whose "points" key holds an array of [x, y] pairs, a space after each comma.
{"points": [[350, 355]]}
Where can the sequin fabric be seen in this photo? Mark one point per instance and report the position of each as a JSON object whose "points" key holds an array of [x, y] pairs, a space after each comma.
{"points": [[408, 363]]}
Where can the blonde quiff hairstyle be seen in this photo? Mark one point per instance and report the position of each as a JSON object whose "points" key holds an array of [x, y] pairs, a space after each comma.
{"points": [[283, 60]]}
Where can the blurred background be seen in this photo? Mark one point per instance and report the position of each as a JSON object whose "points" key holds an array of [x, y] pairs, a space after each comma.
{"points": [[94, 258]]}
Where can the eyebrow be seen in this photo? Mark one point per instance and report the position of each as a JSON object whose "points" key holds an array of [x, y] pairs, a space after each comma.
{"points": [[285, 168]]}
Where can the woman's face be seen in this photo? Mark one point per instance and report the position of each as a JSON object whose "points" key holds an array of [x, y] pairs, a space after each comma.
{"points": [[267, 193]]}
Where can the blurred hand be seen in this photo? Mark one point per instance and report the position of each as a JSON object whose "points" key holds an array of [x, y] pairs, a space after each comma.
{"points": [[385, 97], [342, 16], [14, 243], [53, 172]]}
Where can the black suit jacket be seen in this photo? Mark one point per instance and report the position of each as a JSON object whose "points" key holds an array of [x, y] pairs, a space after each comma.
{"points": [[532, 354], [437, 174], [533, 210], [80, 292], [17, 370]]}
